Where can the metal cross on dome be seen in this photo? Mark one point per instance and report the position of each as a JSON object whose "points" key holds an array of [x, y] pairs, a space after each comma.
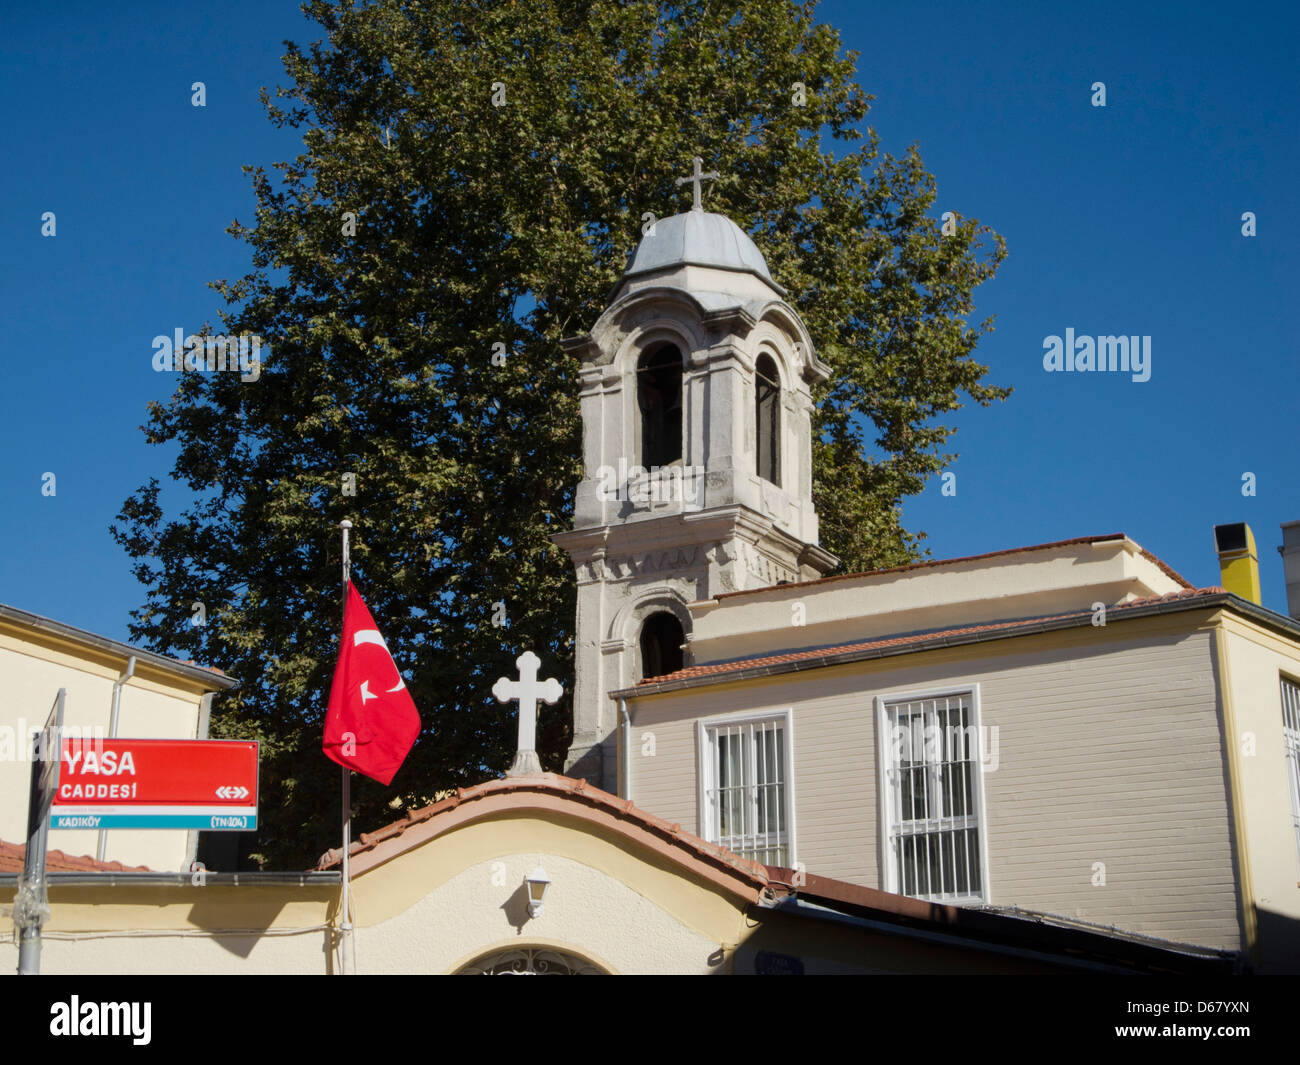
{"points": [[527, 690], [697, 164]]}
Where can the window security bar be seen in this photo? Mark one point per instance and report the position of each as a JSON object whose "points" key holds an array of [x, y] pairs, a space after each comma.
{"points": [[747, 796], [1291, 741], [934, 823]]}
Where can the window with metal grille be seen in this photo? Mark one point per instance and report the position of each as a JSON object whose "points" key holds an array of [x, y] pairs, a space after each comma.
{"points": [[1291, 738], [932, 797], [746, 799]]}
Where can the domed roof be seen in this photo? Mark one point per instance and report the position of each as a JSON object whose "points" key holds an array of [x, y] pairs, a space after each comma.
{"points": [[697, 238]]}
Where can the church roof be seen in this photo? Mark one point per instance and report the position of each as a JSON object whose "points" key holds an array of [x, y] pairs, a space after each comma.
{"points": [[697, 238], [551, 794], [765, 887], [764, 665]]}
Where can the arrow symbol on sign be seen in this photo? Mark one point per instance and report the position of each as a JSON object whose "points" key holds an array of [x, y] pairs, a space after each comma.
{"points": [[231, 792]]}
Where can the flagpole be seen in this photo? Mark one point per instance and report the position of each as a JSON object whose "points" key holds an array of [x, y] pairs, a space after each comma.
{"points": [[348, 952]]}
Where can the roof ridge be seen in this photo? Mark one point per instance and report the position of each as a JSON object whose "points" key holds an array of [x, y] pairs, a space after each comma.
{"points": [[567, 787]]}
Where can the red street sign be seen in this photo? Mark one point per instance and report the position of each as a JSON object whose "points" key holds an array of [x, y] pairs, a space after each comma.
{"points": [[128, 783]]}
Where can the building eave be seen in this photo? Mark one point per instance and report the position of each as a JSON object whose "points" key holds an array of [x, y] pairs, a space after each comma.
{"points": [[210, 679], [725, 673], [181, 880], [1008, 931], [937, 563]]}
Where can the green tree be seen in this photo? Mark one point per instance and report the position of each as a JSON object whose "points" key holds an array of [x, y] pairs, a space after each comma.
{"points": [[498, 160]]}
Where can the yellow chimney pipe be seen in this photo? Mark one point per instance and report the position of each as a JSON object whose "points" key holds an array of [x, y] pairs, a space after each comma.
{"points": [[1238, 560]]}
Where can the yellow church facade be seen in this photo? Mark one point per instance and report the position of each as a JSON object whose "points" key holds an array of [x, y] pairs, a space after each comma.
{"points": [[445, 890]]}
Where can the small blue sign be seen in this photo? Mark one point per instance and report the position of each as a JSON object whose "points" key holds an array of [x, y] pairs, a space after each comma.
{"points": [[232, 822]]}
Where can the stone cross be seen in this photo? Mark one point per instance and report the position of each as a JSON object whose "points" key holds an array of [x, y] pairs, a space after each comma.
{"points": [[527, 690], [697, 163]]}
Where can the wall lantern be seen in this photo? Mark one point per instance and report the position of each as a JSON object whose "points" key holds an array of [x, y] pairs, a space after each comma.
{"points": [[537, 882]]}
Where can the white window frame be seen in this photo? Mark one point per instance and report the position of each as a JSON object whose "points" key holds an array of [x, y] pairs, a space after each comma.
{"points": [[706, 776], [890, 878], [1291, 745]]}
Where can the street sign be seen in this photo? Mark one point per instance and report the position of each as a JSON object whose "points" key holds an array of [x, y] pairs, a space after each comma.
{"points": [[125, 783]]}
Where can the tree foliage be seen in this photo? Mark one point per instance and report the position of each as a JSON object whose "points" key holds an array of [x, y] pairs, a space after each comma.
{"points": [[499, 160]]}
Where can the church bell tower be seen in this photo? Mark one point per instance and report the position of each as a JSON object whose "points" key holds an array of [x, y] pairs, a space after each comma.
{"points": [[697, 459]]}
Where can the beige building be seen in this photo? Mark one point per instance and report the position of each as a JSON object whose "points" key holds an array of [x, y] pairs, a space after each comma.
{"points": [[1068, 729], [155, 697], [446, 889]]}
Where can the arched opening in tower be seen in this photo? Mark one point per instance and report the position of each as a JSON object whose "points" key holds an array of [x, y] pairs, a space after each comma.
{"points": [[767, 419], [659, 397], [661, 645]]}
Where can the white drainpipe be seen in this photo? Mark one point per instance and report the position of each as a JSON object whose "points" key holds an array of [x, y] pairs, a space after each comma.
{"points": [[127, 674], [626, 726]]}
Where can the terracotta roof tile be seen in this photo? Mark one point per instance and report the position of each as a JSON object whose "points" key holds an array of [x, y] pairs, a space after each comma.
{"points": [[12, 855], [815, 653]]}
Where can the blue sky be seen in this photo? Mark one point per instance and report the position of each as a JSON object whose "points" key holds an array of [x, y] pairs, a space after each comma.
{"points": [[1119, 220]]}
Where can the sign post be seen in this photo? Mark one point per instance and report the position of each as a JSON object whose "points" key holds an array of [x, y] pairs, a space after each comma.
{"points": [[32, 904]]}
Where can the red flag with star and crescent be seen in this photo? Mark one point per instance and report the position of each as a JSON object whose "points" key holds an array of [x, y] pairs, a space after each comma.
{"points": [[371, 724]]}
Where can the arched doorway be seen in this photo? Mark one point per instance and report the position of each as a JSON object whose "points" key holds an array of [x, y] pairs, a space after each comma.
{"points": [[530, 961]]}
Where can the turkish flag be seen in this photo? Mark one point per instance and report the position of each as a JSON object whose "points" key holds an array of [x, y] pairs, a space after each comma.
{"points": [[371, 724]]}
